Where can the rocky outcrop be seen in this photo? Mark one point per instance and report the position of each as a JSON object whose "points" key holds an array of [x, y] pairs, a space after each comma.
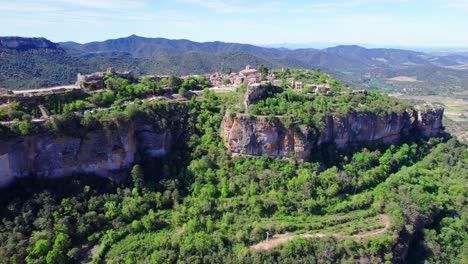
{"points": [[429, 120], [253, 93], [20, 43], [108, 152], [361, 128], [260, 136]]}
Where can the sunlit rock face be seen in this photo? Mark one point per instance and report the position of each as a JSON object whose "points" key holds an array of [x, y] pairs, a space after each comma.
{"points": [[429, 121], [261, 136], [111, 152]]}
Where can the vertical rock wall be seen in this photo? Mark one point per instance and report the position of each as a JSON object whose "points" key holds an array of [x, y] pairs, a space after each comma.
{"points": [[258, 136], [104, 152]]}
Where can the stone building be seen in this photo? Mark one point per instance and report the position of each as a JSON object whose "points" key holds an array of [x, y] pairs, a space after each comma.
{"points": [[360, 92], [298, 86], [95, 81], [321, 88], [217, 78], [291, 81], [250, 75]]}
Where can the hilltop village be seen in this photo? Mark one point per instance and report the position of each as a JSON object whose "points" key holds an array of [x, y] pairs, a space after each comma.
{"points": [[279, 114], [254, 101], [98, 83], [250, 76], [256, 77]]}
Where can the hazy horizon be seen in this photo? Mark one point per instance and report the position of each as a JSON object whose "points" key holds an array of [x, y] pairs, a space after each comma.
{"points": [[382, 23], [291, 46]]}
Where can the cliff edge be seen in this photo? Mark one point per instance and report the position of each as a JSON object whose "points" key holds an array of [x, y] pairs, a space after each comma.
{"points": [[259, 135], [104, 152]]}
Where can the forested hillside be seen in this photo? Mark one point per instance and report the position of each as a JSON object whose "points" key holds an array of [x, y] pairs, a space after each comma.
{"points": [[37, 68], [416, 73], [137, 46], [377, 203]]}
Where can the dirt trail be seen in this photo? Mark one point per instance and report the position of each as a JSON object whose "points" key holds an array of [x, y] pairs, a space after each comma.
{"points": [[385, 221], [284, 238]]}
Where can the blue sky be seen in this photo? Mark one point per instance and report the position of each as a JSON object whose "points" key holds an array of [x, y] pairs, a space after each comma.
{"points": [[412, 23]]}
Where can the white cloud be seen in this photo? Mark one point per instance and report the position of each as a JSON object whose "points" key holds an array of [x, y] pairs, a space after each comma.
{"points": [[87, 15], [248, 7], [48, 6], [237, 7], [87, 12], [77, 10], [458, 4], [341, 5], [219, 6], [104, 4], [27, 7]]}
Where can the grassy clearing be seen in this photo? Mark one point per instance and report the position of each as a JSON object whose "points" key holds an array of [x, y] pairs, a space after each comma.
{"points": [[456, 107], [348, 224]]}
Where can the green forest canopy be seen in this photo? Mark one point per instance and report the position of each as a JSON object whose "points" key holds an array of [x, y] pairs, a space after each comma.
{"points": [[201, 205]]}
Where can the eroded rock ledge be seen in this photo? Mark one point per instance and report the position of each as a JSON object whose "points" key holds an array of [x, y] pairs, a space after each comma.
{"points": [[260, 135], [111, 152], [105, 152]]}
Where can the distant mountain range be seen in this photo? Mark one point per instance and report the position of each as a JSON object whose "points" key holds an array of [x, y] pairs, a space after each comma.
{"points": [[138, 47], [339, 56], [31, 62]]}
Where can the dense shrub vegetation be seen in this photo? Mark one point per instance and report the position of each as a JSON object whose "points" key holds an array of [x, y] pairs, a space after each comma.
{"points": [[199, 204], [37, 68], [75, 105]]}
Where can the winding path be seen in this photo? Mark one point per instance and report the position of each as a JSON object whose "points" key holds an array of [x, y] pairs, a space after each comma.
{"points": [[284, 238]]}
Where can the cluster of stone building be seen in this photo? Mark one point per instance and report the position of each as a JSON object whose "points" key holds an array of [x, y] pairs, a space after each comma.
{"points": [[253, 78], [318, 88], [247, 76]]}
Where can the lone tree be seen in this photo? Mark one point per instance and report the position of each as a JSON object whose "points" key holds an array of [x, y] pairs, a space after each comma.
{"points": [[137, 176], [263, 70], [175, 81]]}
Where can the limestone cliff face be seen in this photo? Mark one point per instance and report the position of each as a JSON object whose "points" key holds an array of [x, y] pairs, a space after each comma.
{"points": [[111, 152], [253, 93], [257, 136], [102, 152], [356, 128], [429, 121]]}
